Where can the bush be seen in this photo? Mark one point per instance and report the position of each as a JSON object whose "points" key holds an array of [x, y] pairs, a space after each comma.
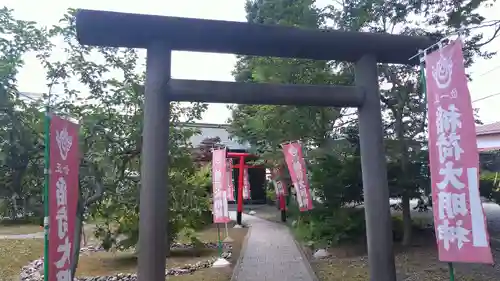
{"points": [[322, 227], [270, 194], [489, 186], [325, 227], [189, 211]]}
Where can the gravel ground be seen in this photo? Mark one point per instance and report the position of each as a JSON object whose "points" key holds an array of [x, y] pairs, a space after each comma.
{"points": [[34, 270]]}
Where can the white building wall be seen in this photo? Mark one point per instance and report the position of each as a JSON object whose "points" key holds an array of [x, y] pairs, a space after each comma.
{"points": [[488, 142]]}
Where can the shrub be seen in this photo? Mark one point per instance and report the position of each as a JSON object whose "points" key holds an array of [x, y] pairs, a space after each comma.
{"points": [[323, 227], [270, 194], [489, 186]]}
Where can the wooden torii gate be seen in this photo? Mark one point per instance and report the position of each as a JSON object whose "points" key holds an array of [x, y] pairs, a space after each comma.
{"points": [[160, 35]]}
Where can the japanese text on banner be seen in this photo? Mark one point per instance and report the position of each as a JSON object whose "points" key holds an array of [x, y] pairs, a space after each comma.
{"points": [[279, 187], [297, 169], [458, 214], [230, 182], [63, 196], [219, 182], [246, 185]]}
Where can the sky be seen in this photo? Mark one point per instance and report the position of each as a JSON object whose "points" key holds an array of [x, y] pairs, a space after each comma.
{"points": [[218, 67]]}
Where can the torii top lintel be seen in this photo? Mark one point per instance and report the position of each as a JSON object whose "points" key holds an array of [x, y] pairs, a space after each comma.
{"points": [[112, 29]]}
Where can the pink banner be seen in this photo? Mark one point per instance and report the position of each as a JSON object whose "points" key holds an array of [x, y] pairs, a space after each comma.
{"points": [[230, 181], [219, 185], [63, 196], [297, 169], [246, 185], [279, 186], [459, 219]]}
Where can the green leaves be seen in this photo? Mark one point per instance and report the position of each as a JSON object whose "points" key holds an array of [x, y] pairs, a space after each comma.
{"points": [[103, 89]]}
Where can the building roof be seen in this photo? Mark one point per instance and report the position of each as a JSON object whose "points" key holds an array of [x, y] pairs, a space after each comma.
{"points": [[208, 130], [489, 129], [203, 125]]}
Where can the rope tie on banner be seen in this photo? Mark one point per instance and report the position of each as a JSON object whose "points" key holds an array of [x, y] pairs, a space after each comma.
{"points": [[436, 46]]}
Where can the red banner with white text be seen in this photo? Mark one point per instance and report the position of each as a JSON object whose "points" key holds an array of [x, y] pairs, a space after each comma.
{"points": [[298, 173], [219, 184], [246, 185], [63, 195], [279, 187], [230, 182], [278, 183], [459, 219]]}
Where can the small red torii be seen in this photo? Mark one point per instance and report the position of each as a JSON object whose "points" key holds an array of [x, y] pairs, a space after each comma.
{"points": [[241, 166]]}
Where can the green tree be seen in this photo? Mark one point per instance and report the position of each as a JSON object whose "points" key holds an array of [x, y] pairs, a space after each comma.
{"points": [[111, 117], [403, 98], [266, 127], [103, 89], [21, 131]]}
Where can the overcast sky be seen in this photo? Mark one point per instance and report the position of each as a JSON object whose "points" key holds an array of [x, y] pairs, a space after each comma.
{"points": [[207, 66]]}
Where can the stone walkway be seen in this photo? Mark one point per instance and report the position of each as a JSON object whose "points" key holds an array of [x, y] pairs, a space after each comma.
{"points": [[271, 254]]}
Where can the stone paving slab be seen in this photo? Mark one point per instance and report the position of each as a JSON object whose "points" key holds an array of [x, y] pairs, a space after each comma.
{"points": [[271, 254]]}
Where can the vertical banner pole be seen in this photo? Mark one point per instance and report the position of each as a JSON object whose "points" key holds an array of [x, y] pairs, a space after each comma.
{"points": [[46, 172], [240, 191], [228, 239], [220, 262], [220, 241], [282, 207], [452, 271]]}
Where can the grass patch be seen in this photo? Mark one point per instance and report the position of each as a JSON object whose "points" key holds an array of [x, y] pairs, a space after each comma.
{"points": [[413, 263], [19, 229], [14, 254]]}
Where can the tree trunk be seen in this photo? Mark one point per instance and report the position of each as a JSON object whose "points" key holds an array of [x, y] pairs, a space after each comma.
{"points": [[407, 221], [168, 243], [405, 198], [12, 208]]}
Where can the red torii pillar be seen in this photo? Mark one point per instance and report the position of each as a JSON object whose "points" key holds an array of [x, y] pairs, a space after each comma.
{"points": [[241, 166]]}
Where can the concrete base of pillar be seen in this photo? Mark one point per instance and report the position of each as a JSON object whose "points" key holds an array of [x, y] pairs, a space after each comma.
{"points": [[228, 240], [221, 262]]}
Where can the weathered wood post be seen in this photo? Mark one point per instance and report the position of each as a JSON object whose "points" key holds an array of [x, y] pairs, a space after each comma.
{"points": [[374, 171], [153, 207]]}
